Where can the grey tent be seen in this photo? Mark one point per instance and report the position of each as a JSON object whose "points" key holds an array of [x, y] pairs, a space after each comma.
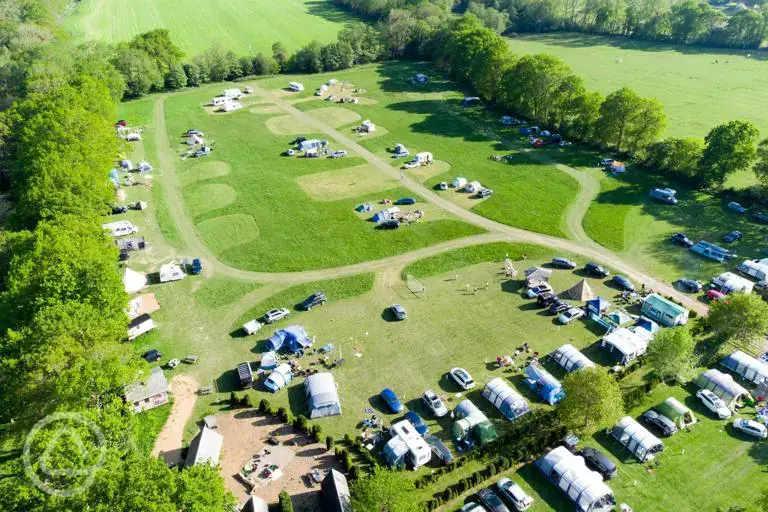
{"points": [[747, 367], [636, 438], [571, 359], [334, 493], [536, 275], [584, 487], [724, 386], [322, 395], [506, 399]]}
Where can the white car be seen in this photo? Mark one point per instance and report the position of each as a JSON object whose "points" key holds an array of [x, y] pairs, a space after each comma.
{"points": [[273, 315], [751, 427], [570, 315], [462, 378], [534, 292], [712, 402], [339, 154], [411, 165], [472, 507], [434, 404], [565, 143], [514, 494], [173, 363]]}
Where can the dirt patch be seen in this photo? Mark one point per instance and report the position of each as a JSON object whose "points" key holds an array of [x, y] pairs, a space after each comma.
{"points": [[204, 171], [168, 443], [210, 197], [265, 109], [424, 172], [335, 116], [344, 183], [245, 435], [228, 231], [287, 125]]}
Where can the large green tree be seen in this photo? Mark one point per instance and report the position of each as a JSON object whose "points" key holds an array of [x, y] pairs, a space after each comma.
{"points": [[592, 401], [384, 491], [158, 46], [730, 148], [672, 354], [677, 157], [741, 318]]}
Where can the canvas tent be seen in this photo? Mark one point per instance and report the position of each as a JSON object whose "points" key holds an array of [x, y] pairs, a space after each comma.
{"points": [[636, 438], [367, 126], [584, 487], [459, 182], [322, 395], [386, 214], [268, 360], [204, 448], [757, 269], [296, 86], [544, 384], [747, 367], [723, 386], [571, 359], [171, 272], [472, 424], [334, 493], [279, 378], [677, 412], [473, 187], [133, 281], [506, 399], [579, 291], [536, 275], [294, 338], [625, 344], [140, 325]]}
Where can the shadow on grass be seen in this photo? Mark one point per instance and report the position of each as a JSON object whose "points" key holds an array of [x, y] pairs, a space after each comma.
{"points": [[228, 382], [297, 400], [548, 492]]}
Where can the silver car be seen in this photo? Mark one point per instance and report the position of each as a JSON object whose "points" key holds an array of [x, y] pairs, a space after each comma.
{"points": [[398, 311], [273, 315], [514, 494]]}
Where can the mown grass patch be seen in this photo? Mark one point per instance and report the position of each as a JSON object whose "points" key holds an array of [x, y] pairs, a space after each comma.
{"points": [[343, 183], [221, 291], [606, 217]]}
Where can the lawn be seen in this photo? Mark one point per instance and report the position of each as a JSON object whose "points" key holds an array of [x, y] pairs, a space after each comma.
{"points": [[243, 26], [699, 87]]}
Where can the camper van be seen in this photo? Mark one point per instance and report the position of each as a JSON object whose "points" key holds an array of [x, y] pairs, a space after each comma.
{"points": [[665, 195], [757, 269], [219, 101], [120, 228], [233, 94], [728, 282]]}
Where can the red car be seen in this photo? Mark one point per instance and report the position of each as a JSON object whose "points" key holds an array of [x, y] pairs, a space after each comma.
{"points": [[538, 143], [715, 295]]}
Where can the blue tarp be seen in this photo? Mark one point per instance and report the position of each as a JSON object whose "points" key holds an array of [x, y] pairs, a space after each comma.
{"points": [[547, 387], [294, 338], [381, 216]]}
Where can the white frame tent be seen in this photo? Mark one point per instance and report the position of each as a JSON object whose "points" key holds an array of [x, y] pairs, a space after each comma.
{"points": [[322, 395], [637, 439], [747, 367], [584, 487], [626, 342], [506, 399], [571, 359], [723, 385]]}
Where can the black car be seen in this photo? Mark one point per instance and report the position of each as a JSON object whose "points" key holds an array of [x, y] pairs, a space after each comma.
{"points": [[316, 299], [152, 355], [689, 285], [298, 140], [118, 209], [761, 217], [598, 461], [197, 267], [563, 263], [593, 269], [558, 306], [681, 239], [661, 423], [623, 283], [389, 224], [491, 501], [733, 236], [545, 299]]}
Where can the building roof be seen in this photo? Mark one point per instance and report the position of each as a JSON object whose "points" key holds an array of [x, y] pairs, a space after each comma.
{"points": [[663, 305], [626, 341], [205, 448], [155, 385]]}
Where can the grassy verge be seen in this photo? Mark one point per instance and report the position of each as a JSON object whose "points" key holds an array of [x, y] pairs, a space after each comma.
{"points": [[221, 291], [148, 426]]}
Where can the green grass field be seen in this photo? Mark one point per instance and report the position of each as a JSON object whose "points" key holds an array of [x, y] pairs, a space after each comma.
{"points": [[699, 87], [243, 26]]}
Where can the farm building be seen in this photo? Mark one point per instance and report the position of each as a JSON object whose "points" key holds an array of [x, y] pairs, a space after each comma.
{"points": [[473, 187], [204, 448], [334, 493], [171, 272], [626, 344], [757, 269], [677, 412], [664, 311], [544, 384], [294, 338], [506, 399], [133, 281], [471, 423], [140, 325], [725, 387], [279, 378], [636, 438], [295, 86], [322, 395], [571, 359], [459, 182], [579, 291], [407, 447], [728, 282], [245, 375], [584, 487], [747, 367], [148, 395], [141, 305]]}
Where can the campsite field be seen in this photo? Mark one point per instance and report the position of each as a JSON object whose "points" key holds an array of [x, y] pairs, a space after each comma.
{"points": [[243, 26], [699, 87]]}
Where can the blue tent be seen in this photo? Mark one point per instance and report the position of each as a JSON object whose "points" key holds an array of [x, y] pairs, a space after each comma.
{"points": [[365, 207], [381, 216], [294, 338], [598, 305], [544, 384], [524, 130]]}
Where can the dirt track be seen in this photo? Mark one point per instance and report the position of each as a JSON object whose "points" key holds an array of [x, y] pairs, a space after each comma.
{"points": [[168, 443]]}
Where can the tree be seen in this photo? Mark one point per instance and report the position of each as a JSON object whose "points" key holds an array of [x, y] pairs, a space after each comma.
{"points": [[265, 65], [194, 75], [384, 490], [335, 56], [495, 20], [286, 505], [741, 318], [746, 29], [158, 46], [678, 157], [308, 59], [730, 148], [139, 71], [648, 123], [280, 54], [538, 85], [176, 78], [761, 165], [671, 354], [365, 41], [616, 115], [488, 68], [592, 402]]}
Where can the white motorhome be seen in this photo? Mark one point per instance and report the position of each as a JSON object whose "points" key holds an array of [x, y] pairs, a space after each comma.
{"points": [[757, 269], [296, 86], [120, 228], [233, 94], [219, 101], [728, 282], [407, 446]]}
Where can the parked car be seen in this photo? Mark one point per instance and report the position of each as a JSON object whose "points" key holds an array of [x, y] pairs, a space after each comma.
{"points": [[405, 201], [564, 143], [713, 402], [534, 292], [316, 299], [570, 315], [484, 192], [192, 132], [173, 363], [152, 355], [715, 295], [118, 209], [733, 236], [389, 224], [339, 154], [598, 461], [733, 205], [623, 283], [298, 140], [273, 315], [538, 143], [196, 267], [593, 269], [462, 378], [514, 494], [491, 501], [761, 217], [440, 450], [558, 306], [471, 506], [434, 403], [751, 427], [391, 400], [689, 285], [681, 239], [398, 311], [563, 263], [443, 185], [417, 423], [605, 162], [663, 424], [544, 300]]}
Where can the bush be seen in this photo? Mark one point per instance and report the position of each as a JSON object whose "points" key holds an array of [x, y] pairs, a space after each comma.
{"points": [[347, 439], [233, 401], [348, 464], [263, 405], [354, 472], [316, 430], [271, 411], [301, 422], [248, 401], [286, 505], [329, 442], [282, 414]]}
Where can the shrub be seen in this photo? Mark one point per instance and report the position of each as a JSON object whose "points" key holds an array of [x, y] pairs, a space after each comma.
{"points": [[263, 405], [354, 472], [271, 411], [233, 401], [301, 422], [317, 431], [329, 442], [286, 505], [282, 414], [347, 439], [248, 401], [348, 464]]}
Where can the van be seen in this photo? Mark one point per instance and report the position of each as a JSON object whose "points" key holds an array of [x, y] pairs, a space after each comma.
{"points": [[665, 195], [484, 192], [120, 228]]}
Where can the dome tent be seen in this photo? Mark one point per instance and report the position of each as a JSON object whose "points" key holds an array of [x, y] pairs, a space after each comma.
{"points": [[584, 487], [506, 399], [571, 359], [723, 386], [677, 412], [544, 384]]}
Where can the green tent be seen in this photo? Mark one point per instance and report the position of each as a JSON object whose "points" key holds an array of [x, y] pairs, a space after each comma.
{"points": [[677, 412]]}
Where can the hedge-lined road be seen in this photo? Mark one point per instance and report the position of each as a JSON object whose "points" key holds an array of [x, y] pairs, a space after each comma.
{"points": [[495, 231]]}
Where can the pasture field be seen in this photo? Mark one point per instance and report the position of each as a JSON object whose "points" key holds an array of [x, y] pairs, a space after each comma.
{"points": [[243, 26], [699, 87]]}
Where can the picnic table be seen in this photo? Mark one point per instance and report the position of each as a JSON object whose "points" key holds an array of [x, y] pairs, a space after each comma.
{"points": [[205, 390], [191, 359]]}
